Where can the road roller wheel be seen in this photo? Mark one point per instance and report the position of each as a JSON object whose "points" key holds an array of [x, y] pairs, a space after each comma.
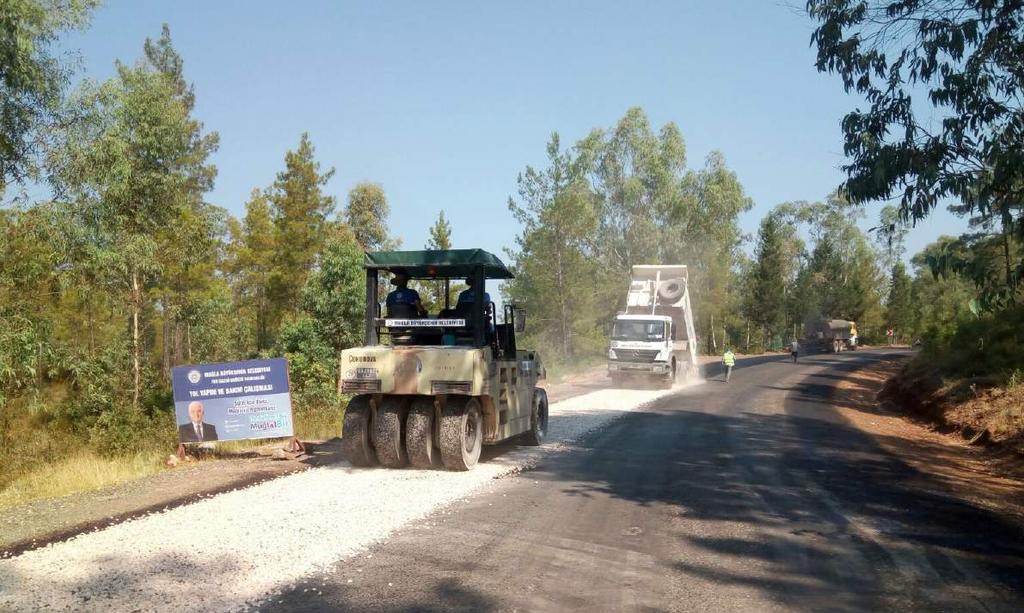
{"points": [[389, 432], [419, 434], [462, 433], [538, 419], [356, 445]]}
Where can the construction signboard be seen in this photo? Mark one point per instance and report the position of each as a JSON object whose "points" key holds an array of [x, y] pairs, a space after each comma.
{"points": [[232, 401]]}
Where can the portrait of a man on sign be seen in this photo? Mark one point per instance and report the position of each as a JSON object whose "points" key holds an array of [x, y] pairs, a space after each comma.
{"points": [[196, 430]]}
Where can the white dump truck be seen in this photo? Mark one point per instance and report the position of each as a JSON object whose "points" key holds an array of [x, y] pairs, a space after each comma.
{"points": [[654, 337]]}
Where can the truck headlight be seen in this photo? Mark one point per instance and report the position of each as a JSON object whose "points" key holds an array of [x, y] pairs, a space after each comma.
{"points": [[611, 354]]}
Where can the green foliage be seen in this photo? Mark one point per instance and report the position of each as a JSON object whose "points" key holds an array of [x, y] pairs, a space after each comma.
{"points": [[32, 77], [131, 272], [432, 293], [300, 210], [126, 432], [311, 362], [966, 55], [984, 346], [335, 296], [554, 275], [840, 278], [899, 308], [766, 290], [253, 267], [621, 197], [366, 214], [986, 260]]}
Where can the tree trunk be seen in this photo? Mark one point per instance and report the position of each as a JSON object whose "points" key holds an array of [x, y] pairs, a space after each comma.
{"points": [[566, 345], [136, 363], [747, 349], [188, 341], [1006, 257], [168, 339], [92, 328], [714, 342], [179, 354]]}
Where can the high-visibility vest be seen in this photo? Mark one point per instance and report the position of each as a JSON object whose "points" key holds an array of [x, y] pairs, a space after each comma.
{"points": [[729, 358]]}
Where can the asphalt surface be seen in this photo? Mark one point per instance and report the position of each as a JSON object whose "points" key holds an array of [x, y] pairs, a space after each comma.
{"points": [[747, 495]]}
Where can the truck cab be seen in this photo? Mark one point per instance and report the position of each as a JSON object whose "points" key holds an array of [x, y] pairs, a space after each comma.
{"points": [[642, 343], [654, 337]]}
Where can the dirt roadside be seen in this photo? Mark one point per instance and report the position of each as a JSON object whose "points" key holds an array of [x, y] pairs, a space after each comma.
{"points": [[37, 523], [983, 476]]}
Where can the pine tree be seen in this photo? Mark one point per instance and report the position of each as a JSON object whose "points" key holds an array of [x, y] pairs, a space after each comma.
{"points": [[899, 308], [433, 294], [255, 264], [300, 211], [190, 246], [767, 298]]}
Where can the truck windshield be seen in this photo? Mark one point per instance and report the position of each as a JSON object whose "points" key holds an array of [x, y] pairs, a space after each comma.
{"points": [[638, 330]]}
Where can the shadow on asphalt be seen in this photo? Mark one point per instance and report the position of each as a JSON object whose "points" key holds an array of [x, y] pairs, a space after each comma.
{"points": [[804, 489]]}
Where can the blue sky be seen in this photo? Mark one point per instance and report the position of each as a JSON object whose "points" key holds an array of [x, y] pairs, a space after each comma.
{"points": [[444, 103]]}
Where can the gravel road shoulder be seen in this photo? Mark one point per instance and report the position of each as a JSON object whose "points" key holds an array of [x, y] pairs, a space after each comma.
{"points": [[234, 549], [38, 523]]}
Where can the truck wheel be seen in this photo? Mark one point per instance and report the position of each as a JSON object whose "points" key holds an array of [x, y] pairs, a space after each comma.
{"points": [[356, 446], [462, 433], [538, 419], [388, 432], [670, 378], [419, 434]]}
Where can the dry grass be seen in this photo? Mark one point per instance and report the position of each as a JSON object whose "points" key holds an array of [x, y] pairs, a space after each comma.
{"points": [[998, 412], [320, 423], [82, 472]]}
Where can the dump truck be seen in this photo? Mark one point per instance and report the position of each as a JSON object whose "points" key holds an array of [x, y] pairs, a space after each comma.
{"points": [[654, 336], [832, 335], [430, 391]]}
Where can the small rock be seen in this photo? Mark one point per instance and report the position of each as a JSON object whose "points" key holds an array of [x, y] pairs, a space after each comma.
{"points": [[172, 461]]}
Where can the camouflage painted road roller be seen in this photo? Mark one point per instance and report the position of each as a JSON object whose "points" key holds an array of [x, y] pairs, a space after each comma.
{"points": [[431, 389]]}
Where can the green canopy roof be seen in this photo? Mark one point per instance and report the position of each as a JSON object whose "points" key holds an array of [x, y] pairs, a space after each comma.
{"points": [[439, 263]]}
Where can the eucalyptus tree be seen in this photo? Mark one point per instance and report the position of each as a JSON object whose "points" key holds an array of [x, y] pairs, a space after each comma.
{"points": [[943, 81], [129, 166], [556, 272], [367, 215], [33, 78]]}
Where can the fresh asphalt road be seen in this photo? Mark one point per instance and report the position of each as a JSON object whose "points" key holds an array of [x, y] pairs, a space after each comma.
{"points": [[750, 495]]}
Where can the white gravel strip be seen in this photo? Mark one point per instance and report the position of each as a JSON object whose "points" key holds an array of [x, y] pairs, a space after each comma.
{"points": [[234, 550]]}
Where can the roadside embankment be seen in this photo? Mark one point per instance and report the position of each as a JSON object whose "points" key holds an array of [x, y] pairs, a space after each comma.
{"points": [[977, 409], [985, 476]]}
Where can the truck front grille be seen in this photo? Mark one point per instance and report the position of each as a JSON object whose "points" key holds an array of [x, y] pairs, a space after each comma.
{"points": [[636, 355], [451, 387], [361, 386]]}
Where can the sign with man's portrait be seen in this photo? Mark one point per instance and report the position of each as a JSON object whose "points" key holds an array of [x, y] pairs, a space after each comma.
{"points": [[232, 401]]}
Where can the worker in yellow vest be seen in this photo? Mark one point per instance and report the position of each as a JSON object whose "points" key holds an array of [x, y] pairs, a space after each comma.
{"points": [[729, 359]]}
